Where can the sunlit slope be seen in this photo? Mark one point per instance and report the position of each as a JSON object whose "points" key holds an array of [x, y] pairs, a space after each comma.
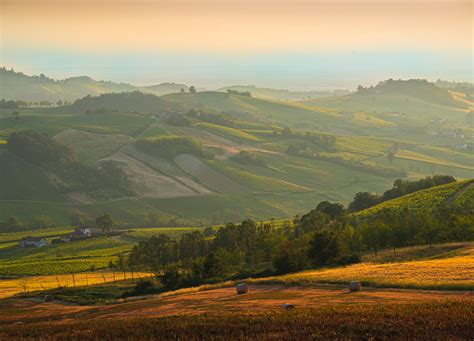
{"points": [[460, 193], [249, 107], [455, 272]]}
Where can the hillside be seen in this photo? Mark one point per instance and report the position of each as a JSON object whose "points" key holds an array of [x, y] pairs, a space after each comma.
{"points": [[18, 86], [451, 197], [250, 166], [282, 94], [408, 98]]}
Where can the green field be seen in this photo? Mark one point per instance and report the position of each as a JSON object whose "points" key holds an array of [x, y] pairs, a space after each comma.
{"points": [[450, 194]]}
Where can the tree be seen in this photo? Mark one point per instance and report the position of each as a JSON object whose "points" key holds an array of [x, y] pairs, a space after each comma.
{"points": [[192, 89], [286, 132], [43, 221], [333, 210], [363, 200], [314, 220], [11, 224], [289, 258], [79, 219], [105, 222], [325, 248], [390, 156]]}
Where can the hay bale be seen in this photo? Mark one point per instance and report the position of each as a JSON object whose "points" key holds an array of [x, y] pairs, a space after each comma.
{"points": [[288, 306], [355, 286], [48, 298], [242, 288]]}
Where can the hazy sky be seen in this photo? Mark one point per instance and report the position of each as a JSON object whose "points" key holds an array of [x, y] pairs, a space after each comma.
{"points": [[282, 43]]}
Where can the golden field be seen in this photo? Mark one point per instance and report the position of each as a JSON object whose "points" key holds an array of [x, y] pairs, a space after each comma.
{"points": [[455, 272], [11, 287]]}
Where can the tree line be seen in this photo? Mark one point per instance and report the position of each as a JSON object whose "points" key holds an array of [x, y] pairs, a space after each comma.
{"points": [[328, 235]]}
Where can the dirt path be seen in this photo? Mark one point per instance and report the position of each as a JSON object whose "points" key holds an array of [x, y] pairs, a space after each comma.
{"points": [[260, 298]]}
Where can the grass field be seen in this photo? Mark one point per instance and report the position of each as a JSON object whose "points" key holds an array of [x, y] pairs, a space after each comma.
{"points": [[47, 232], [11, 287], [232, 132], [62, 258], [452, 273]]}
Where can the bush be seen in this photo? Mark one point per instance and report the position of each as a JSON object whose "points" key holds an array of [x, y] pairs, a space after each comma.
{"points": [[144, 286], [170, 146]]}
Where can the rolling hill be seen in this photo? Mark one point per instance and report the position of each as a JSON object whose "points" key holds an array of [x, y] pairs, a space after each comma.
{"points": [[407, 99], [282, 94], [18, 86], [259, 158]]}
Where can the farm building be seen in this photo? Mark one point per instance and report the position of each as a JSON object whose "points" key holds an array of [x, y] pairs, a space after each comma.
{"points": [[77, 235], [32, 242]]}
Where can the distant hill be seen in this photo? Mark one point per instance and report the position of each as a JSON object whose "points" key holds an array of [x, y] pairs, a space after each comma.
{"points": [[18, 86], [124, 102], [165, 88], [411, 98], [282, 94], [418, 88]]}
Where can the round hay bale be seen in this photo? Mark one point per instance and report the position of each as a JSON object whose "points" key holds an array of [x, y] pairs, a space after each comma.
{"points": [[355, 286], [242, 288], [48, 298], [288, 306]]}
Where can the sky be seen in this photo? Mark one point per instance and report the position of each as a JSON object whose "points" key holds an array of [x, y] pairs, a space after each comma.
{"points": [[298, 44]]}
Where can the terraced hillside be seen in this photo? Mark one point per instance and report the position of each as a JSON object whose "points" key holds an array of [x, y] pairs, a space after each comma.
{"points": [[450, 196]]}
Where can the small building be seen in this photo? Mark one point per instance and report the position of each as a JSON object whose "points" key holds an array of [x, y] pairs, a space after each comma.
{"points": [[32, 242]]}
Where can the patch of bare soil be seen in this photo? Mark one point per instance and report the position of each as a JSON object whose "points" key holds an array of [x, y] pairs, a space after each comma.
{"points": [[148, 183], [165, 167]]}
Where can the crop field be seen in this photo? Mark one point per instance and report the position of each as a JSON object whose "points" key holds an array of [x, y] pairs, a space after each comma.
{"points": [[255, 181], [46, 232], [11, 287], [145, 233], [85, 143], [426, 199], [112, 123], [62, 258], [453, 273], [232, 132], [320, 312]]}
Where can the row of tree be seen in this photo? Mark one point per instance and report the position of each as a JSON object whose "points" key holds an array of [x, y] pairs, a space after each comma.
{"points": [[78, 219], [327, 235]]}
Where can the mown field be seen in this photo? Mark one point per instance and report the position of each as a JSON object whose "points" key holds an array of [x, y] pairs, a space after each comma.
{"points": [[320, 312]]}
